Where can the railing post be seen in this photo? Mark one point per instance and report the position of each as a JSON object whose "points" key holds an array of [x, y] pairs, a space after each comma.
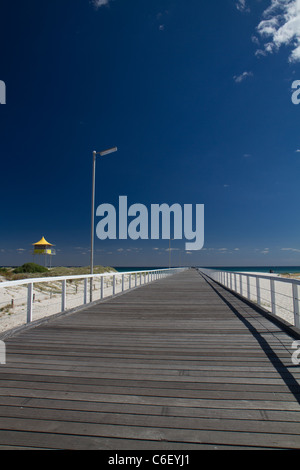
{"points": [[91, 289], [129, 281], [63, 295], [85, 288], [258, 290], [102, 288], [114, 284], [296, 305], [122, 282], [29, 302], [248, 287], [273, 301], [241, 285]]}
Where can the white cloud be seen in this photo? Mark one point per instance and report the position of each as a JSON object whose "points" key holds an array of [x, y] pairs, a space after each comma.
{"points": [[242, 77], [100, 3], [280, 26], [242, 5], [255, 40], [291, 249]]}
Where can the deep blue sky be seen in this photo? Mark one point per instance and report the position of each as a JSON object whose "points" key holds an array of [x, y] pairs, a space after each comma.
{"points": [[159, 80]]}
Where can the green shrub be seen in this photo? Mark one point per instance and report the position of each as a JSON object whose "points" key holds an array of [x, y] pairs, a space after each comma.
{"points": [[30, 268]]}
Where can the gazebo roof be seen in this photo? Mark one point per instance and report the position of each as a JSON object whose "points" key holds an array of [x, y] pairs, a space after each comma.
{"points": [[43, 242]]}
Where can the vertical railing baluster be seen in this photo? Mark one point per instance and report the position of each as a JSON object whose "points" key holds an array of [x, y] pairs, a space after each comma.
{"points": [[273, 296], [296, 305], [258, 299], [63, 295], [85, 290], [114, 284], [102, 288], [248, 287], [29, 302]]}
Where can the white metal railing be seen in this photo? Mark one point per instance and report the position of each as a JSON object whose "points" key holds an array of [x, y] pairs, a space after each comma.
{"points": [[30, 299], [278, 295]]}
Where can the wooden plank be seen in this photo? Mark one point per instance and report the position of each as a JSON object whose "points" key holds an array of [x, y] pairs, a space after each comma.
{"points": [[35, 440], [200, 393], [259, 439], [233, 403], [153, 421], [94, 408], [183, 381]]}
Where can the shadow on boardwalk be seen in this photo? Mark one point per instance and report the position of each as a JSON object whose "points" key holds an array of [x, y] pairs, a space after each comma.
{"points": [[275, 360]]}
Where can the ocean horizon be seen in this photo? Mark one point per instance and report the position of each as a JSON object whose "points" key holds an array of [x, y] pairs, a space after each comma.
{"points": [[260, 269]]}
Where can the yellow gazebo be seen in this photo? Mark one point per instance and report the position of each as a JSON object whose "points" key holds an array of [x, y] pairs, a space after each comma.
{"points": [[43, 248]]}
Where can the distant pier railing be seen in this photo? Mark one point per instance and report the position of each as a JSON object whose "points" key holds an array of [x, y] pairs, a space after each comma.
{"points": [[30, 299], [278, 295]]}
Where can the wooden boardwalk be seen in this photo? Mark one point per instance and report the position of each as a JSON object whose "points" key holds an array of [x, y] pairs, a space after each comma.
{"points": [[177, 364]]}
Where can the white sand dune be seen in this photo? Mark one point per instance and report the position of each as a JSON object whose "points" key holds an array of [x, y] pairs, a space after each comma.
{"points": [[283, 296], [47, 298]]}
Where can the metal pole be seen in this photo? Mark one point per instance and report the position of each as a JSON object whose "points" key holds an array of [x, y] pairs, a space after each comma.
{"points": [[92, 224]]}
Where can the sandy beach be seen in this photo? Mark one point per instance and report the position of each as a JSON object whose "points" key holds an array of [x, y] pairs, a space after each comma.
{"points": [[47, 298], [284, 297]]}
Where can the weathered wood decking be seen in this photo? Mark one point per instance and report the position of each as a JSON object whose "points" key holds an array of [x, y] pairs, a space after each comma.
{"points": [[176, 364]]}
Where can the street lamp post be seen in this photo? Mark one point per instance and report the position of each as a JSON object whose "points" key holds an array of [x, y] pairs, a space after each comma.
{"points": [[102, 154]]}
